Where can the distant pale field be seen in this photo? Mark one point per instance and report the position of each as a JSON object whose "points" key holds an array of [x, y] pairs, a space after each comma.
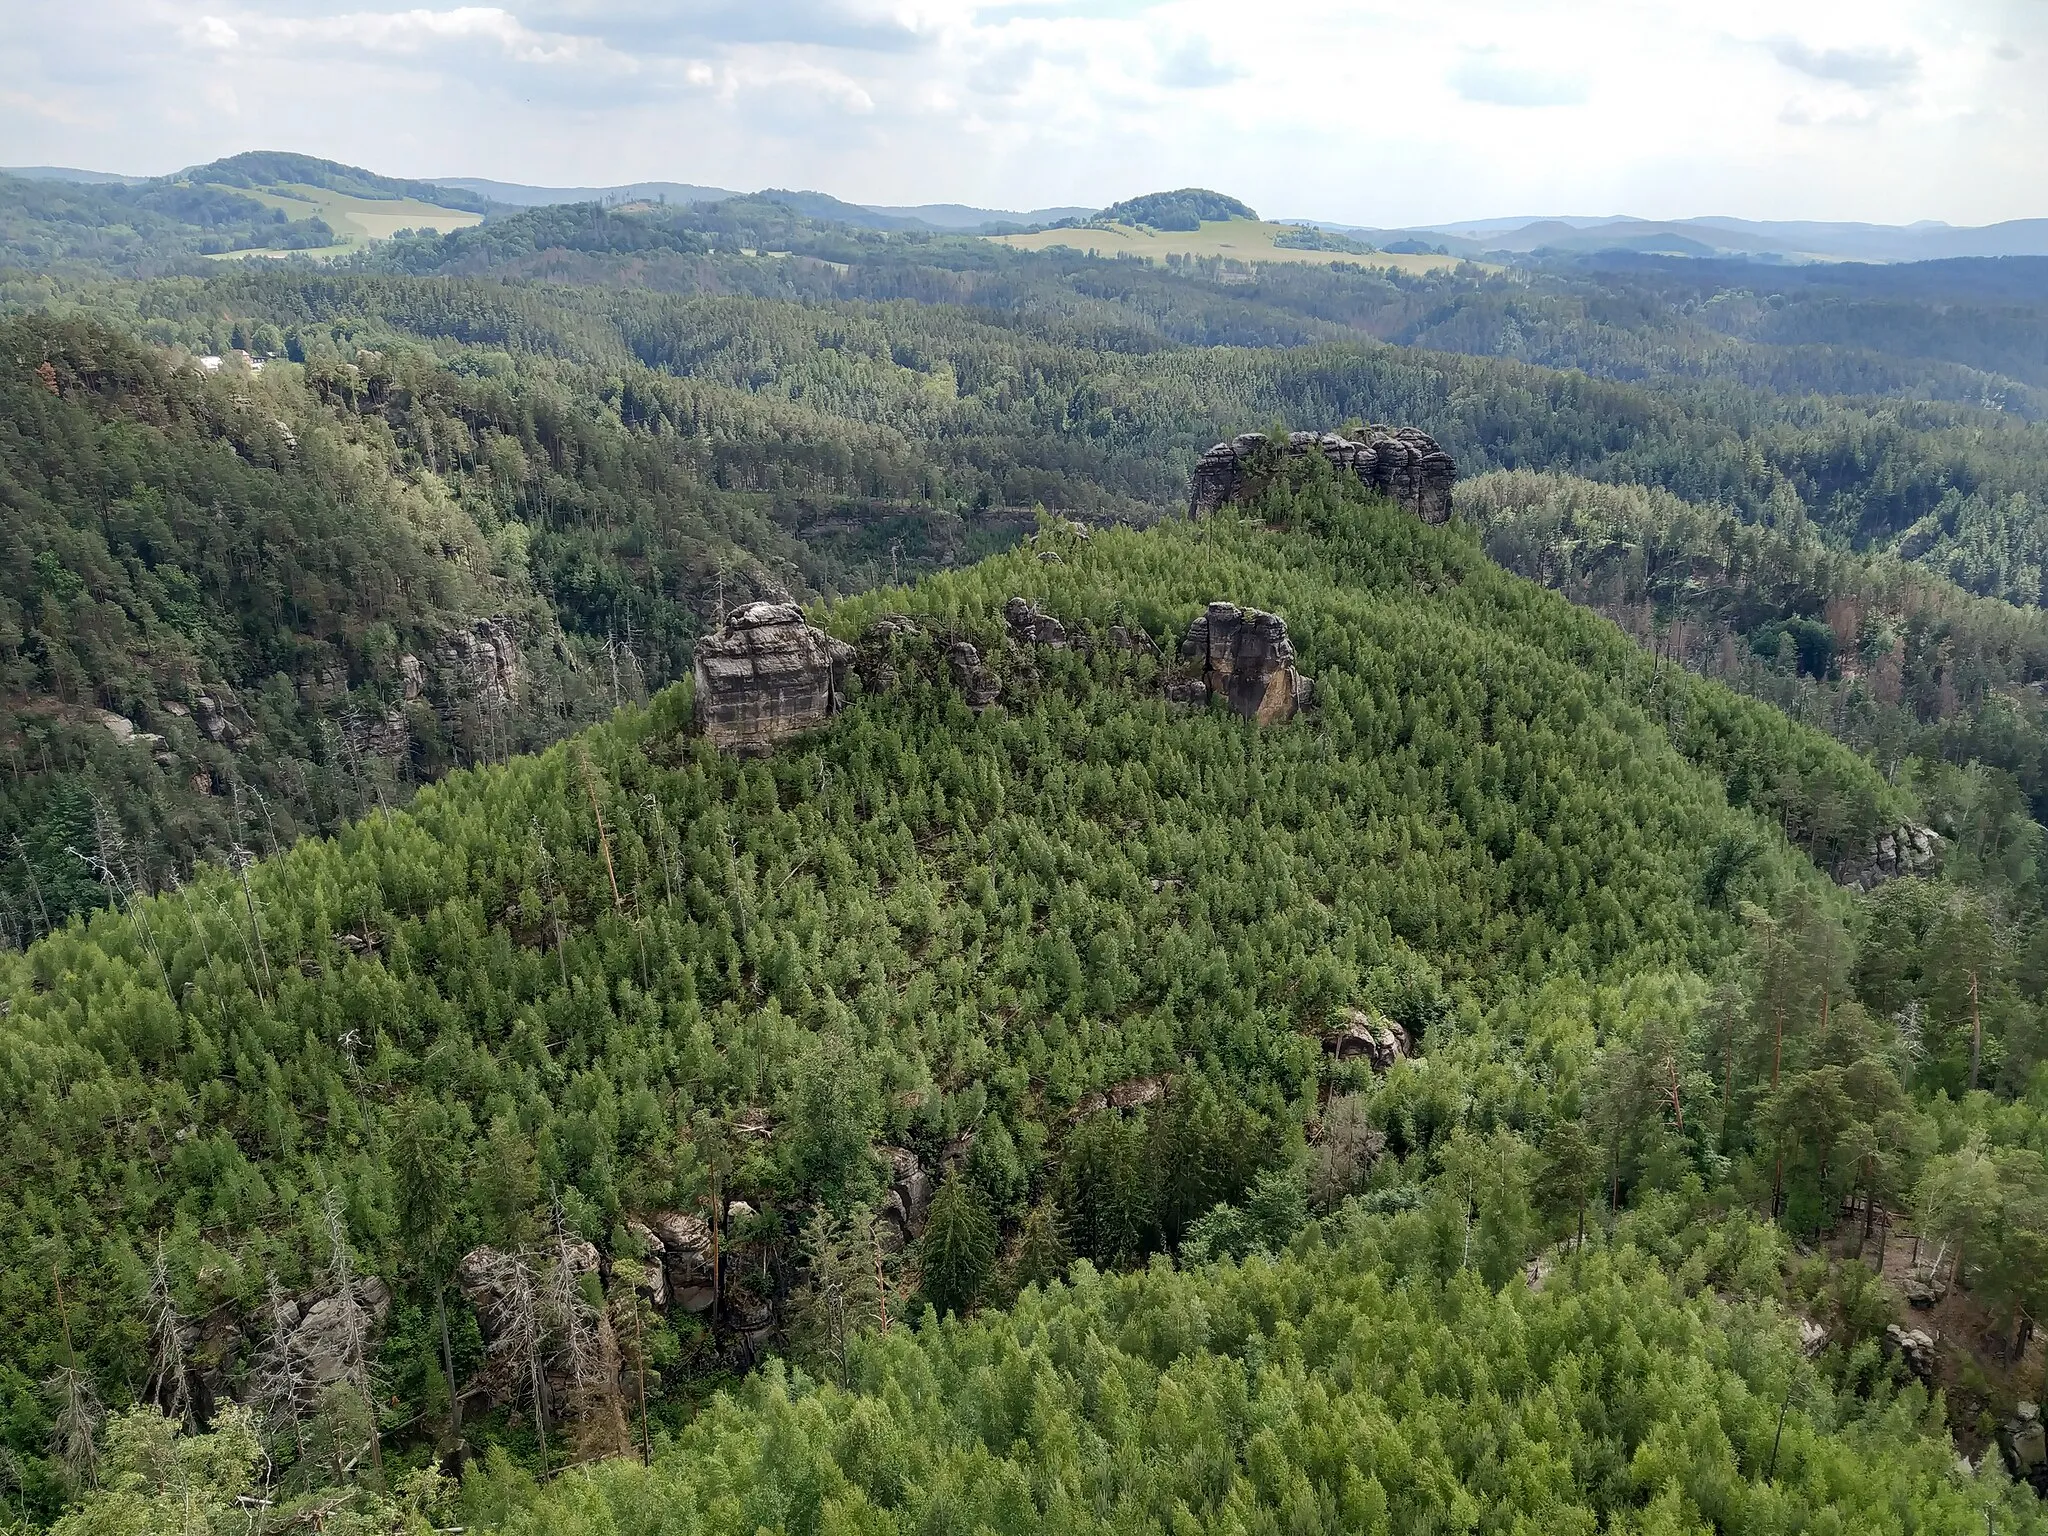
{"points": [[1240, 239], [362, 218], [264, 253]]}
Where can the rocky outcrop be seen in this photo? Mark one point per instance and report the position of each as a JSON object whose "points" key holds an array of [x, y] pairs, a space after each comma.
{"points": [[1133, 639], [214, 723], [1401, 463], [684, 1257], [1031, 625], [480, 663], [970, 675], [1904, 850], [1359, 1035], [881, 651], [1915, 1346], [1242, 656], [909, 1197], [2025, 1444], [320, 1341], [767, 675], [1132, 1093], [518, 1306]]}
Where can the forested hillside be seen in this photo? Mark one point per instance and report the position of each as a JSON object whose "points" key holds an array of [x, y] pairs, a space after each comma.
{"points": [[623, 461], [1943, 690], [1506, 1094]]}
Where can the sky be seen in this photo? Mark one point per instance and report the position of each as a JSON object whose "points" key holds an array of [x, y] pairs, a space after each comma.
{"points": [[1350, 111]]}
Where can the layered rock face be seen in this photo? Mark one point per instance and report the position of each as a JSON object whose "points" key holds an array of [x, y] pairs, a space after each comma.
{"points": [[481, 662], [1403, 463], [767, 675], [1246, 660], [683, 1255], [1904, 850]]}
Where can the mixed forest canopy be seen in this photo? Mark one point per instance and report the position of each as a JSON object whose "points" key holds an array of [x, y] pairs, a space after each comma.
{"points": [[1499, 1097]]}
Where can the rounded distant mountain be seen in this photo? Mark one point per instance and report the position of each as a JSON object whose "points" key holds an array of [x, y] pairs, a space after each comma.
{"points": [[1189, 208]]}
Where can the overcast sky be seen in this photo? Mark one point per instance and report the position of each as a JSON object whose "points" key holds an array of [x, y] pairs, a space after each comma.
{"points": [[1350, 110]]}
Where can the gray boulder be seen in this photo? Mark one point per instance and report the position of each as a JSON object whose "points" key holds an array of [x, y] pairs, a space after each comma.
{"points": [[1903, 850], [970, 675], [1359, 1035], [1030, 625]]}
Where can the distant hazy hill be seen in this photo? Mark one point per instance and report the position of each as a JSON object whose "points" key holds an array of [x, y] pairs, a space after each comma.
{"points": [[1749, 239], [70, 173], [268, 168], [948, 216], [518, 195]]}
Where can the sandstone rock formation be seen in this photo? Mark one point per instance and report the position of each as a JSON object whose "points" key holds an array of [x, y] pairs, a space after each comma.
{"points": [[1399, 462], [320, 1340], [909, 1197], [480, 662], [1362, 1035], [1904, 850], [515, 1297], [214, 723], [684, 1258], [2025, 1444], [1245, 658], [1030, 625], [1132, 639], [970, 676], [1132, 1093], [880, 650], [1915, 1346], [767, 675]]}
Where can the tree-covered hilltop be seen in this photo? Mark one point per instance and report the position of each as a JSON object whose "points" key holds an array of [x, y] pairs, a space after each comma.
{"points": [[140, 230], [1189, 208], [595, 969]]}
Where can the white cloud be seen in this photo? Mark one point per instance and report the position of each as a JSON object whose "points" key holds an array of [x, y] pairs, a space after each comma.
{"points": [[1864, 69], [1486, 75], [1366, 111], [212, 32]]}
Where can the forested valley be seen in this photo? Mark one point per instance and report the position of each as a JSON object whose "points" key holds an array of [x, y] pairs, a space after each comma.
{"points": [[444, 1089]]}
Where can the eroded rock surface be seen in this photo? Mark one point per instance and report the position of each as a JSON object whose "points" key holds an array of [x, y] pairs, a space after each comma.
{"points": [[685, 1259], [1243, 656], [1031, 625], [767, 675], [909, 1197], [2025, 1444], [1402, 463], [1916, 1347], [970, 675], [1360, 1035], [480, 662], [1904, 850]]}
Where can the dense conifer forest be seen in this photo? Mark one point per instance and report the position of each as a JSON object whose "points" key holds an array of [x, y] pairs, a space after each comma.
{"points": [[388, 958]]}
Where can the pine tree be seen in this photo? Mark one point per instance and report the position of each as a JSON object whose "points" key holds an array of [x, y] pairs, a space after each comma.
{"points": [[958, 1248], [427, 1174]]}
